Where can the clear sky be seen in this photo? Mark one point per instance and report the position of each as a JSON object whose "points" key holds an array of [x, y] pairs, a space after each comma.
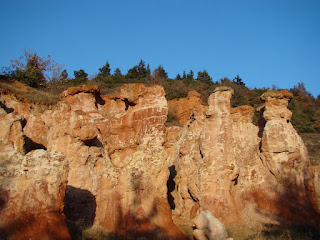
{"points": [[266, 42]]}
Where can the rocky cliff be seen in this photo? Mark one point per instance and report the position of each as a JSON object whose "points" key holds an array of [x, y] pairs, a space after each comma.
{"points": [[110, 162], [239, 171]]}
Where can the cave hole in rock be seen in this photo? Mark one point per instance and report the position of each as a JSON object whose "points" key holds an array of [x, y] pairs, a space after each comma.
{"points": [[80, 210], [95, 142], [98, 99], [23, 123], [128, 103], [235, 180], [171, 185], [5, 108], [30, 145]]}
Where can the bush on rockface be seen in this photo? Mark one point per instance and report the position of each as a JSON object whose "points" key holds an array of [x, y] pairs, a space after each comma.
{"points": [[36, 71]]}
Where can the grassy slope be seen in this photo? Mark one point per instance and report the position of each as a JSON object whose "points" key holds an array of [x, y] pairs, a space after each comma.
{"points": [[31, 94], [312, 142]]}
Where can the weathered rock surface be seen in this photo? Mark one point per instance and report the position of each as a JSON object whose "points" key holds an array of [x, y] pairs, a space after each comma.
{"points": [[117, 163], [208, 227], [206, 163], [32, 183], [285, 156], [127, 171], [32, 189], [241, 172], [182, 108]]}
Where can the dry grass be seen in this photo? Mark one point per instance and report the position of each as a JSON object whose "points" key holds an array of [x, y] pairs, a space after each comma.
{"points": [[186, 229], [96, 233], [312, 142], [237, 232], [172, 118], [28, 93], [273, 232]]}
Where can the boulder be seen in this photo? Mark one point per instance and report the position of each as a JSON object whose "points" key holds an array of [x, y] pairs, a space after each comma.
{"points": [[208, 227]]}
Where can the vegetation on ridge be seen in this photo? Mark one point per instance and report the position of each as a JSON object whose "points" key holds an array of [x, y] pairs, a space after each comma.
{"points": [[44, 74]]}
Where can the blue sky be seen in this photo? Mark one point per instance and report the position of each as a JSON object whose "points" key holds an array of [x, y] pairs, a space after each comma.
{"points": [[266, 42]]}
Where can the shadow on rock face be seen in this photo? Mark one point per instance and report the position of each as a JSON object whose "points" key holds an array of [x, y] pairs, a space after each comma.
{"points": [[31, 145], [171, 186], [80, 210]]}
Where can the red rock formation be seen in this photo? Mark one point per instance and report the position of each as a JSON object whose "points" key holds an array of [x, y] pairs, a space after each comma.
{"points": [[32, 186], [114, 145], [239, 172], [119, 154], [182, 108], [206, 164], [285, 156]]}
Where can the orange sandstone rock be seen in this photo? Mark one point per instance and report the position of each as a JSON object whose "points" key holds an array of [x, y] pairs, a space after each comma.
{"points": [[241, 172], [126, 169], [183, 107], [114, 145]]}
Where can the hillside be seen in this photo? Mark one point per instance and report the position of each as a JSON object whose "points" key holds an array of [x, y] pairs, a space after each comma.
{"points": [[115, 166], [305, 109]]}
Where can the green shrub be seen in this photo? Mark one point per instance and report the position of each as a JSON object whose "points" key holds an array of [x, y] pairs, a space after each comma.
{"points": [[302, 117], [103, 82]]}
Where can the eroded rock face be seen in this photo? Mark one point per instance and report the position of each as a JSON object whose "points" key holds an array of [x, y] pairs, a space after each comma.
{"points": [[285, 156], [206, 163], [32, 184], [241, 172], [118, 166], [32, 188], [127, 170], [182, 108]]}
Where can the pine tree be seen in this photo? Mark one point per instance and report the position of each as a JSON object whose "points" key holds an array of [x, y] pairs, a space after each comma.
{"points": [[204, 77], [117, 72], [64, 74], [138, 72], [160, 73], [190, 75], [105, 70], [81, 74], [143, 72], [178, 77], [133, 73], [238, 81], [148, 70], [184, 76]]}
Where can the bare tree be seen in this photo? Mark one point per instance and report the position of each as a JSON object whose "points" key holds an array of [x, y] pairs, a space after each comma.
{"points": [[35, 70]]}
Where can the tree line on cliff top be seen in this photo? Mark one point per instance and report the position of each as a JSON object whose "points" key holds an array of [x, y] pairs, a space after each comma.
{"points": [[45, 74]]}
